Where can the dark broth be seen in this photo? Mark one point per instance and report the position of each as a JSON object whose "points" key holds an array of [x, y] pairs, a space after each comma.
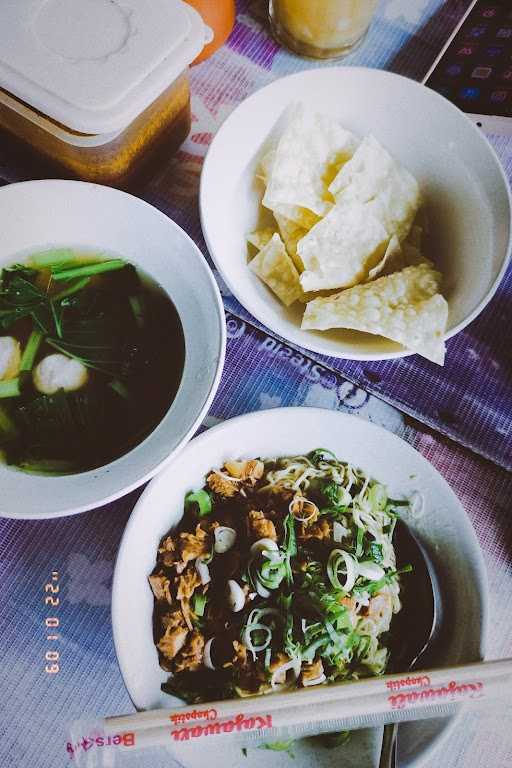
{"points": [[127, 333]]}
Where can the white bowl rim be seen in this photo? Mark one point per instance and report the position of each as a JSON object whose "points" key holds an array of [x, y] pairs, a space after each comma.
{"points": [[317, 346], [221, 353], [480, 568]]}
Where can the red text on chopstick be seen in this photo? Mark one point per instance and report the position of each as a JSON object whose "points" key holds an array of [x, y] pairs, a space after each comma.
{"points": [[408, 682], [447, 693], [228, 726], [87, 743], [196, 714]]}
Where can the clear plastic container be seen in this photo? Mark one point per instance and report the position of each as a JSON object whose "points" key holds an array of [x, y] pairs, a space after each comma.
{"points": [[99, 116], [113, 158], [327, 29]]}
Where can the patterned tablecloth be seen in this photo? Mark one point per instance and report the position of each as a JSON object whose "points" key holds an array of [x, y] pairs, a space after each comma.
{"points": [[472, 405]]}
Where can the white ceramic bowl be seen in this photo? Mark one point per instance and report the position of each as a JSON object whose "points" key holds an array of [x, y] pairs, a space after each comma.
{"points": [[39, 214], [467, 195], [443, 526]]}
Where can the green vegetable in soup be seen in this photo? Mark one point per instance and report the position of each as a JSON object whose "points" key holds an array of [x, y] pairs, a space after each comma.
{"points": [[127, 335]]}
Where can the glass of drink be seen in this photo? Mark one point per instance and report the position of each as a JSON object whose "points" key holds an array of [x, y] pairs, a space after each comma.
{"points": [[323, 29]]}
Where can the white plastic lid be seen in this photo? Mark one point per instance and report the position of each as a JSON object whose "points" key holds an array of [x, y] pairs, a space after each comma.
{"points": [[94, 65]]}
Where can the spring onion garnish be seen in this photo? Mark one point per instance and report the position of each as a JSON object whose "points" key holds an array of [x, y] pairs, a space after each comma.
{"points": [[207, 654], [224, 539], [263, 544], [359, 542], [341, 564], [260, 641], [199, 603], [271, 574], [378, 497], [203, 571], [339, 531], [290, 545], [303, 510], [235, 595], [369, 570], [200, 501]]}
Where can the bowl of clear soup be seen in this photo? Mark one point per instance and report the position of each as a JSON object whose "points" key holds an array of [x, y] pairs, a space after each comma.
{"points": [[111, 345]]}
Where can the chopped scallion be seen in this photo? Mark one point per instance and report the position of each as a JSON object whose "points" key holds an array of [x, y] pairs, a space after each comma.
{"points": [[378, 497], [201, 500], [200, 604]]}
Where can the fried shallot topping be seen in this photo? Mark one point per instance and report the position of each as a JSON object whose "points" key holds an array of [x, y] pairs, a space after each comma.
{"points": [[218, 483], [193, 545], [187, 583]]}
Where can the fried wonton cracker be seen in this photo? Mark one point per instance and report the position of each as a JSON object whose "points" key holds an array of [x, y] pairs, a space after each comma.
{"points": [[373, 176], [342, 248], [291, 233], [307, 156], [273, 265], [405, 307], [260, 237]]}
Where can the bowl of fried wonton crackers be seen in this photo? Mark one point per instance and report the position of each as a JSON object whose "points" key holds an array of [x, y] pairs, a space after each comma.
{"points": [[356, 213]]}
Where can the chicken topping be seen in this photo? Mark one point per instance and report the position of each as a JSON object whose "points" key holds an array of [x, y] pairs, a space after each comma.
{"points": [[191, 656], [187, 583], [160, 586], [312, 671], [320, 531], [172, 641], [260, 527], [221, 485], [172, 620], [194, 545], [247, 471]]}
